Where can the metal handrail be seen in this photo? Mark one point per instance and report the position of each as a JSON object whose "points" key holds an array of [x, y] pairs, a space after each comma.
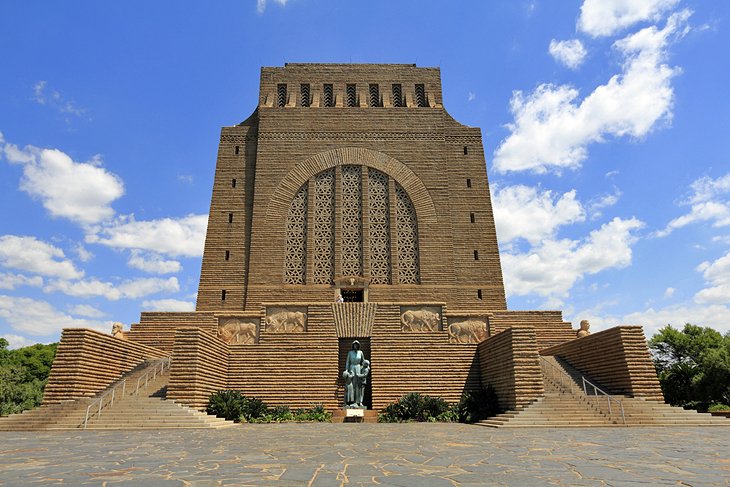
{"points": [[596, 390], [100, 400], [563, 375]]}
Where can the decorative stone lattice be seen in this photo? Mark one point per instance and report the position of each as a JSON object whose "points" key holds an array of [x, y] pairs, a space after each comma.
{"points": [[296, 238], [380, 270], [324, 227], [351, 221], [407, 231]]}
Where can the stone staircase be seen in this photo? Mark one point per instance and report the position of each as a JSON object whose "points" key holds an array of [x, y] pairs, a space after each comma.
{"points": [[148, 409], [566, 405]]}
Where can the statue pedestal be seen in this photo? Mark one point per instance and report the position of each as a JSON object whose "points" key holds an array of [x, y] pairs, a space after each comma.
{"points": [[354, 413]]}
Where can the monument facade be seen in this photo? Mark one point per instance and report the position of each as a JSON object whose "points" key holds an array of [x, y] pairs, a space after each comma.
{"points": [[350, 207]]}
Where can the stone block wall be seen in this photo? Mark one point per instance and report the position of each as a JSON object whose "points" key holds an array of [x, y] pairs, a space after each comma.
{"points": [[510, 363], [550, 329], [157, 329], [88, 361], [199, 367], [617, 358]]}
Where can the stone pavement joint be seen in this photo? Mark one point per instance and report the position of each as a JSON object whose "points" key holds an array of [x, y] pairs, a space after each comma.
{"points": [[365, 454]]}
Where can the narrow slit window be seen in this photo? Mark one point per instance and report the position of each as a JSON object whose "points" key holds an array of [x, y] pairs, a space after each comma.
{"points": [[223, 295], [468, 183], [466, 150], [471, 217], [479, 294], [233, 183], [421, 96], [281, 95], [230, 218], [304, 92], [328, 96], [476, 255], [228, 254], [351, 95], [397, 95], [237, 150], [374, 95]]}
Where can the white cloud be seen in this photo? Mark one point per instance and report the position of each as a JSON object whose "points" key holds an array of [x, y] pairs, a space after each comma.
{"points": [[709, 201], [79, 191], [83, 254], [11, 281], [552, 268], [571, 53], [168, 305], [669, 292], [53, 98], [596, 206], [175, 237], [607, 17], [471, 96], [552, 129], [717, 276], [17, 341], [86, 310], [39, 318], [261, 4], [153, 263], [31, 255], [529, 213], [130, 289]]}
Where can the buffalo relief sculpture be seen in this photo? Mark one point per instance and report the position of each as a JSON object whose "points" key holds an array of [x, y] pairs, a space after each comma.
{"points": [[419, 319], [467, 330], [238, 331], [286, 320]]}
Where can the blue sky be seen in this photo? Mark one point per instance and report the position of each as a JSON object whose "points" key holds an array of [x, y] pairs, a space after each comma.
{"points": [[605, 125]]}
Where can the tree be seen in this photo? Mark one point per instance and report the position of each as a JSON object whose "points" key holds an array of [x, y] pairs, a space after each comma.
{"points": [[23, 376], [693, 365]]}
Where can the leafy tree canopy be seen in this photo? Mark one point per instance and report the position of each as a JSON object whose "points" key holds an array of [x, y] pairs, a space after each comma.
{"points": [[23, 376]]}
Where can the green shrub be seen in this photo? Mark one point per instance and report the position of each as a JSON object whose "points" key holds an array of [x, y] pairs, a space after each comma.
{"points": [[226, 404], [417, 407], [253, 408], [719, 407], [477, 405]]}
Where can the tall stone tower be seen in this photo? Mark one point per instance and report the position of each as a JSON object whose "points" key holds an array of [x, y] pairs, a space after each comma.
{"points": [[350, 178]]}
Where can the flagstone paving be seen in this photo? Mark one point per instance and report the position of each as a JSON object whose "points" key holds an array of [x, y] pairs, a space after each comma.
{"points": [[365, 454]]}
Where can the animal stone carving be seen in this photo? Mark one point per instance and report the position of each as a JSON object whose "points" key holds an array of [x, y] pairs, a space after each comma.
{"points": [[237, 332], [286, 322], [468, 331], [118, 331], [420, 320]]}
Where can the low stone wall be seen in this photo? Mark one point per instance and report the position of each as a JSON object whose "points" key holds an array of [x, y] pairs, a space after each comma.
{"points": [[510, 363], [199, 367], [617, 358], [550, 329], [157, 329], [88, 361]]}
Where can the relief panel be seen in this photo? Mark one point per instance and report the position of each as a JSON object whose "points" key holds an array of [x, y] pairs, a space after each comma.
{"points": [[286, 319], [420, 318], [467, 329]]}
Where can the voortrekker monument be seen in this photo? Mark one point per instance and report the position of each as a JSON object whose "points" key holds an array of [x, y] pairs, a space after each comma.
{"points": [[351, 213]]}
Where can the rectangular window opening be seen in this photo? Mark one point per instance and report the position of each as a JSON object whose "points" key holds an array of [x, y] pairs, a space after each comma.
{"points": [[223, 295], [236, 150], [230, 218], [468, 183], [351, 92], [397, 95], [281, 95], [471, 217], [328, 96], [374, 95], [466, 150], [421, 96], [304, 91], [479, 294], [476, 255], [228, 254], [233, 183]]}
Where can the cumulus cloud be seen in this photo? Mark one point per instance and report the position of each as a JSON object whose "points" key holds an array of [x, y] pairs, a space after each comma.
{"points": [[261, 4], [32, 255], [552, 128], [11, 281], [79, 191], [129, 289], [39, 318], [168, 305], [709, 201], [607, 17], [553, 267], [570, 53], [717, 276], [183, 237], [533, 214], [17, 341], [86, 310], [153, 263]]}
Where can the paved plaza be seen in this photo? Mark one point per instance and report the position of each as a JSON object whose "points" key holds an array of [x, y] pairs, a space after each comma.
{"points": [[369, 454]]}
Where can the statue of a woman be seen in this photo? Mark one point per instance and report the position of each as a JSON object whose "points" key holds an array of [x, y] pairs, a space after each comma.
{"points": [[355, 375]]}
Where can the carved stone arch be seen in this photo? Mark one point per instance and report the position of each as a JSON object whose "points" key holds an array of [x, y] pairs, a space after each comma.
{"points": [[292, 183]]}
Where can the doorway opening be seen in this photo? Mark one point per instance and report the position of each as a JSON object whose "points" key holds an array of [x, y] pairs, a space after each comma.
{"points": [[345, 345], [353, 295]]}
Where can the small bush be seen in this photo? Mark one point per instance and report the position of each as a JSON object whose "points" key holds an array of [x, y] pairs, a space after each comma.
{"points": [[719, 407], [253, 409], [226, 404], [416, 407], [477, 405]]}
